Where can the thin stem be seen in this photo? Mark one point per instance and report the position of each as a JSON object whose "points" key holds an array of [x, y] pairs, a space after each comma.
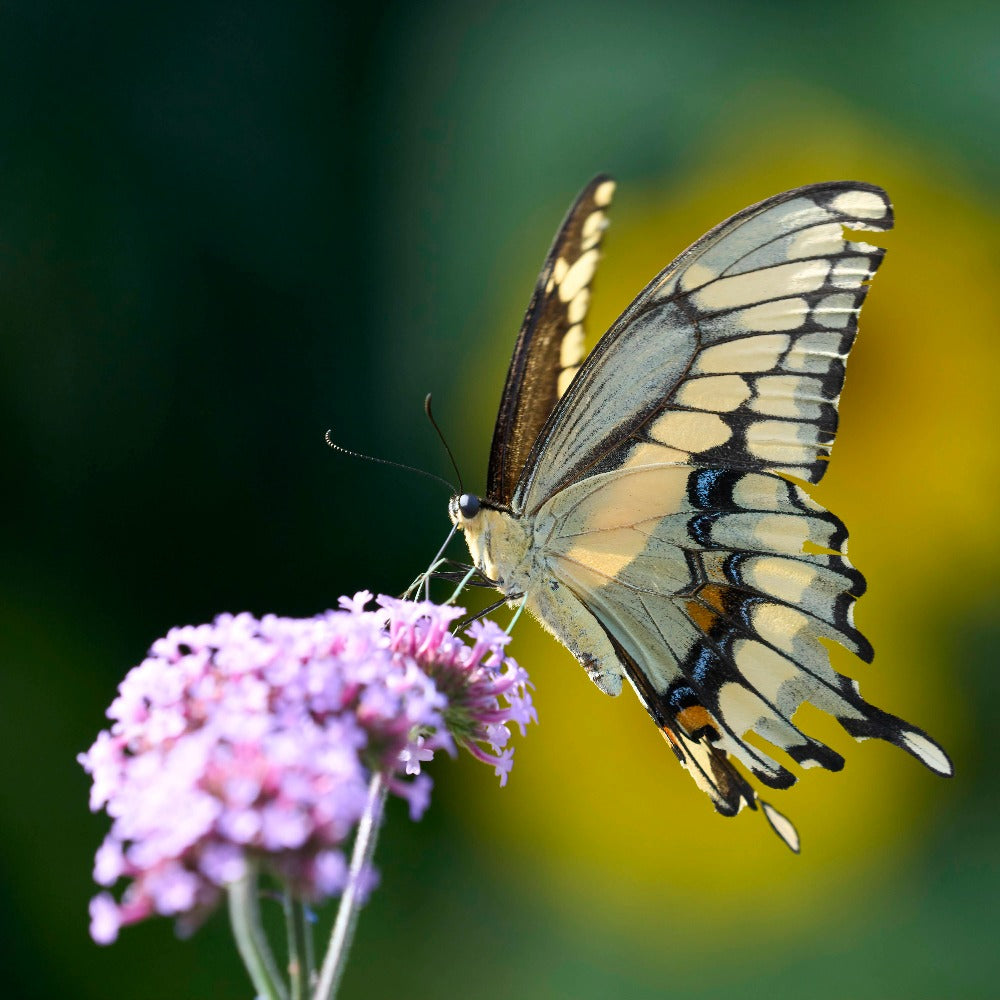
{"points": [[422, 580], [458, 590], [425, 577], [517, 614], [291, 932], [244, 915], [350, 901], [304, 922]]}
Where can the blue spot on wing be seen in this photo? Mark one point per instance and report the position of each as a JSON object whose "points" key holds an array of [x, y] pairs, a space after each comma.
{"points": [[680, 696], [704, 481], [704, 663], [712, 489], [700, 528]]}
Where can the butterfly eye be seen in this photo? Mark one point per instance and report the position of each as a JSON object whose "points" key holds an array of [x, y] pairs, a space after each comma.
{"points": [[468, 505]]}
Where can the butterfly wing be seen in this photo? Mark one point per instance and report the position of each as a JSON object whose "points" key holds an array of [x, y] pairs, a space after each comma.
{"points": [[720, 636], [550, 345], [732, 356], [658, 483]]}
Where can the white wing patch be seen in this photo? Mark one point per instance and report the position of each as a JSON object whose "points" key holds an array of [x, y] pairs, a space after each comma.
{"points": [[720, 393], [748, 354], [862, 204]]}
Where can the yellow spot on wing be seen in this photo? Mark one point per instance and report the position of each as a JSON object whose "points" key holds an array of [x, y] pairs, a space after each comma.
{"points": [[784, 314], [689, 431], [593, 227], [850, 272], [619, 499], [740, 707], [594, 223], [577, 309], [836, 310], [721, 393], [782, 442], [863, 204], [603, 193], [786, 579], [813, 352], [747, 354], [778, 282], [756, 491], [572, 347], [780, 625], [788, 396], [646, 454], [578, 275], [606, 553], [695, 276], [824, 239], [764, 668]]}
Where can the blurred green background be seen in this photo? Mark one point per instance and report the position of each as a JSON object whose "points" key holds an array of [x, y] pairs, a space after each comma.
{"points": [[226, 227]]}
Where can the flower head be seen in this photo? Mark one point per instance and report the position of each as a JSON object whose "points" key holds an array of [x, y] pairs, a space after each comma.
{"points": [[473, 679], [253, 740]]}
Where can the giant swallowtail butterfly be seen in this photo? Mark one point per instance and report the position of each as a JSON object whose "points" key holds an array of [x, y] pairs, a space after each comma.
{"points": [[644, 502]]}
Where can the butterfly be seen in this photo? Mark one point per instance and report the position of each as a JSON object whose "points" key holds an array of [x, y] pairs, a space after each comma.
{"points": [[644, 501]]}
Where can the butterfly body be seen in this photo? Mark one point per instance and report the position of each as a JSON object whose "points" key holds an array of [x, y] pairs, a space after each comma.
{"points": [[644, 502], [519, 554]]}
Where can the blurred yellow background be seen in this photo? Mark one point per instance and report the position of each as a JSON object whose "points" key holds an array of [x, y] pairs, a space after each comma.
{"points": [[225, 229], [902, 512]]}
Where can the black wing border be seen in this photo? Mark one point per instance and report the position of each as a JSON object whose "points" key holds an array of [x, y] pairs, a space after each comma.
{"points": [[502, 482]]}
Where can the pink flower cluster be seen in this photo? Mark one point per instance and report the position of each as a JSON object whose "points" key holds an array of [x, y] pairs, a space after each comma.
{"points": [[470, 679], [254, 739]]}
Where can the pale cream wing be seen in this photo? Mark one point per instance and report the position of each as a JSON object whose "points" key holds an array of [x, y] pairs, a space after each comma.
{"points": [[732, 357], [700, 577]]}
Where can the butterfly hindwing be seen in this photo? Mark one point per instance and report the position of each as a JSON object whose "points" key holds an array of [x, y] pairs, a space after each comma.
{"points": [[720, 641], [550, 345]]}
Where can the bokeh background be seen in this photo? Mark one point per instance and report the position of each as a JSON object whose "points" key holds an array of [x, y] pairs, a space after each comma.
{"points": [[226, 227]]}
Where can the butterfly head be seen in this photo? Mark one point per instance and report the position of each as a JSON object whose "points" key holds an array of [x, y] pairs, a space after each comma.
{"points": [[498, 540], [463, 509]]}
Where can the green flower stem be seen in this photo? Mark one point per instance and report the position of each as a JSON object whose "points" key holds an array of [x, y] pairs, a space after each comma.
{"points": [[303, 922], [294, 955], [517, 614], [350, 901], [458, 590], [244, 915]]}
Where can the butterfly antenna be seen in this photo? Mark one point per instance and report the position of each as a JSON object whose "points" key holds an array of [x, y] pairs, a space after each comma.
{"points": [[434, 424], [385, 461]]}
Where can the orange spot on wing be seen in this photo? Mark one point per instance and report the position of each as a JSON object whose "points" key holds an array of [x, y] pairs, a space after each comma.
{"points": [[714, 595], [704, 618], [693, 718]]}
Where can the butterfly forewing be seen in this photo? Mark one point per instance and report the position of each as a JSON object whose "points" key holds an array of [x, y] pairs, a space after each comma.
{"points": [[734, 353], [550, 345]]}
